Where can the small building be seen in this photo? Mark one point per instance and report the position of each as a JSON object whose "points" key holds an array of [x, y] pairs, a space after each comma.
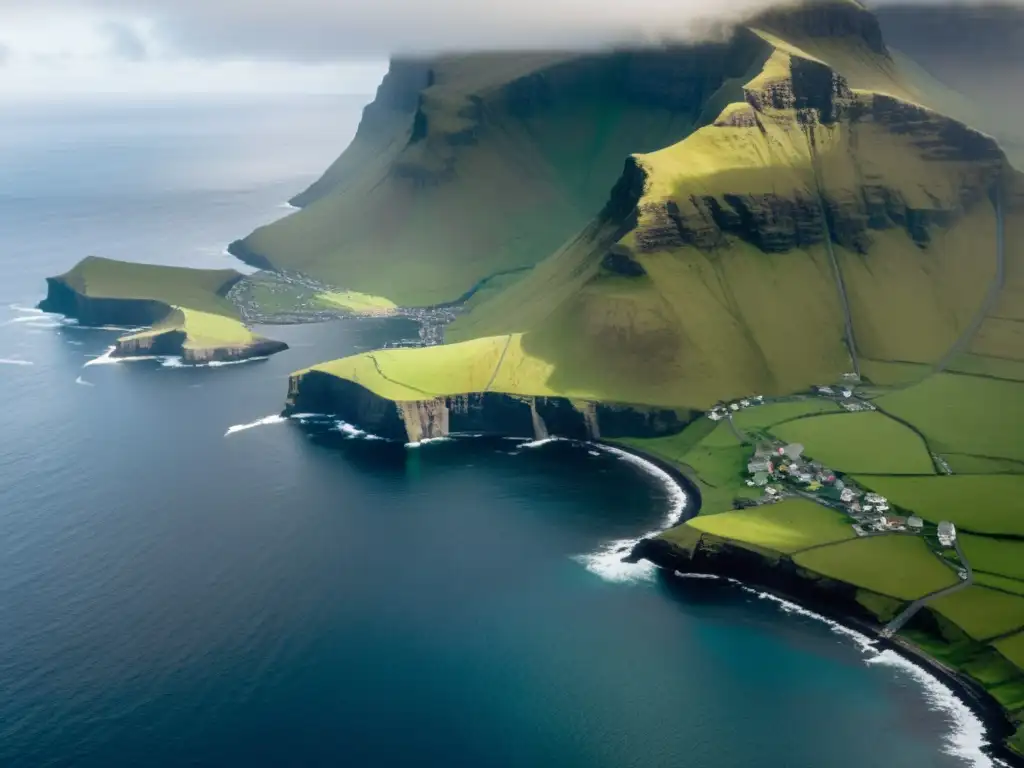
{"points": [[793, 450], [894, 521], [947, 533], [716, 415], [804, 476], [874, 498], [847, 495], [846, 392], [744, 403], [733, 407], [759, 465], [915, 523], [825, 390]]}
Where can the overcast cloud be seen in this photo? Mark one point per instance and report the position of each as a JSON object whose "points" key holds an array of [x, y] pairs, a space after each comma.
{"points": [[301, 44]]}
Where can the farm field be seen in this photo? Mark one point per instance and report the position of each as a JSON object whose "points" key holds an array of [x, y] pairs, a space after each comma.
{"points": [[980, 503], [865, 442], [999, 556], [787, 527], [981, 612], [775, 413], [964, 414], [1012, 648], [1001, 583], [898, 566]]}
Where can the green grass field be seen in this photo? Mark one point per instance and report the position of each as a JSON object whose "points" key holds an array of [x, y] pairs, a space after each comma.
{"points": [[762, 416], [965, 464], [981, 503], [1001, 583], [786, 527], [981, 612], [198, 289], [862, 442], [999, 556], [1012, 648], [964, 414], [1009, 694], [884, 608], [897, 566]]}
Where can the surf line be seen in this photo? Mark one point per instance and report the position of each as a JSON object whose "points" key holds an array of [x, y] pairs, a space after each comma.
{"points": [[609, 562]]}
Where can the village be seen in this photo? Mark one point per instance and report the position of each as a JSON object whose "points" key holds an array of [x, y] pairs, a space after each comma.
{"points": [[783, 470]]}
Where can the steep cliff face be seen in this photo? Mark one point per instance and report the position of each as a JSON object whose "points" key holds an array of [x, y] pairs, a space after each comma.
{"points": [[62, 299], [484, 413]]}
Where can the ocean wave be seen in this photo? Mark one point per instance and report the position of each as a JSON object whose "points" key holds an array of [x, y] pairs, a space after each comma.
{"points": [[607, 562], [542, 442], [14, 361], [26, 310], [966, 738], [353, 432], [428, 441], [273, 419], [41, 321], [107, 358], [83, 382], [289, 207]]}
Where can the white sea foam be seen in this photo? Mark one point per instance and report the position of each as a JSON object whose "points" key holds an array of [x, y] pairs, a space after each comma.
{"points": [[76, 343], [14, 361], [289, 207], [222, 363], [966, 737], [540, 443], [306, 416], [273, 419], [26, 310], [608, 562], [428, 441], [83, 382], [107, 358], [172, 361]]}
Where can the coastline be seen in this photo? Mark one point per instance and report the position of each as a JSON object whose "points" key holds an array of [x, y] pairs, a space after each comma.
{"points": [[990, 714]]}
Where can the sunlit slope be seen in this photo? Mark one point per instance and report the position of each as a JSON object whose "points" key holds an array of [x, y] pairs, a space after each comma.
{"points": [[734, 289], [811, 224], [499, 161]]}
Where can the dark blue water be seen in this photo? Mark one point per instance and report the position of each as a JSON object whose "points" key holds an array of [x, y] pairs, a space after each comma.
{"points": [[283, 595]]}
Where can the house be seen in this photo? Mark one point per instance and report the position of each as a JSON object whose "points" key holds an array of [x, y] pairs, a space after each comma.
{"points": [[847, 392], [894, 521], [847, 495], [793, 450], [947, 533], [825, 390], [915, 523], [733, 407], [771, 491], [874, 498], [804, 476], [759, 465], [744, 403], [716, 415]]}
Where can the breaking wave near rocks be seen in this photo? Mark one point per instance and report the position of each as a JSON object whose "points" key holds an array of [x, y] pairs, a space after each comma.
{"points": [[609, 561]]}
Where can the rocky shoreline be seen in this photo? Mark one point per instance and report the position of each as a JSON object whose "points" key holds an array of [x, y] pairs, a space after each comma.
{"points": [[743, 568]]}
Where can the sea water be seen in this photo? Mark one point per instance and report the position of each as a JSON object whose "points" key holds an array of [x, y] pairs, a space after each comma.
{"points": [[186, 578]]}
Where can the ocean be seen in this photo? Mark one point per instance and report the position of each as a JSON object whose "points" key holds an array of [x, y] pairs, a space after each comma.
{"points": [[188, 579]]}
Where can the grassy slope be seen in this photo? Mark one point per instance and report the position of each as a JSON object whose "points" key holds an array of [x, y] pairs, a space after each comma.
{"points": [[195, 298], [199, 289], [981, 612], [861, 442], [497, 183], [898, 566], [786, 527]]}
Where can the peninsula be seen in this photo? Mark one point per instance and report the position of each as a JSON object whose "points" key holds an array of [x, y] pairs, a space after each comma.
{"points": [[184, 312]]}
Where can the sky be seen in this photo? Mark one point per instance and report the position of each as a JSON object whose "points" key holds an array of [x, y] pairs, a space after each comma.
{"points": [[57, 48]]}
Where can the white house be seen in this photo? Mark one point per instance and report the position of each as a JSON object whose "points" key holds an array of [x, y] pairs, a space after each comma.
{"points": [[915, 523], [947, 533], [847, 495]]}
